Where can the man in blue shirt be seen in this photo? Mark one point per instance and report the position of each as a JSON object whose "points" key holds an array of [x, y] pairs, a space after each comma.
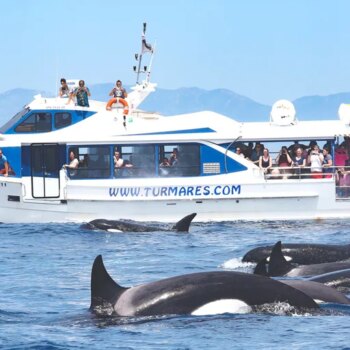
{"points": [[4, 165]]}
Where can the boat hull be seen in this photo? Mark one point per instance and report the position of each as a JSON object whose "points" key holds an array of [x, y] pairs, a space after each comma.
{"points": [[211, 200]]}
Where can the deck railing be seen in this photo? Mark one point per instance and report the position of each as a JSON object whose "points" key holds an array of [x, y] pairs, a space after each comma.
{"points": [[340, 175]]}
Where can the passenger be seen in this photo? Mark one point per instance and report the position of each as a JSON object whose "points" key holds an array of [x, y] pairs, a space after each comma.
{"points": [[298, 161], [4, 165], [81, 93], [293, 148], [64, 89], [118, 161], [257, 153], [249, 150], [265, 161], [315, 160], [73, 165], [174, 159], [327, 163], [341, 155], [342, 183], [239, 152], [284, 160], [165, 163], [118, 90], [346, 144], [163, 171]]}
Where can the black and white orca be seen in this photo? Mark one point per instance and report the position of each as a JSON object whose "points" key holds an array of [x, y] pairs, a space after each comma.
{"points": [[318, 291], [303, 254], [134, 226], [197, 294], [340, 280], [277, 265]]}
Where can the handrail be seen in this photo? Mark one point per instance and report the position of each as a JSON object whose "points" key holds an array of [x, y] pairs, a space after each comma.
{"points": [[302, 172]]}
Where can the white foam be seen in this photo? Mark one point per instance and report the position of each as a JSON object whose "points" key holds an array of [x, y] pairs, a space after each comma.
{"points": [[223, 306], [237, 264]]}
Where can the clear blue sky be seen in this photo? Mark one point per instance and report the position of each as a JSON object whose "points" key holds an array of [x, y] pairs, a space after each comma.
{"points": [[262, 49]]}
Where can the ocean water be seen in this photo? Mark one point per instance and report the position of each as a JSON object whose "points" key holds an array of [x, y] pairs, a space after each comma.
{"points": [[45, 288]]}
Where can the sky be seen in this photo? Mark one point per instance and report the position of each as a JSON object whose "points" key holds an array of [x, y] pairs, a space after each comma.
{"points": [[262, 49]]}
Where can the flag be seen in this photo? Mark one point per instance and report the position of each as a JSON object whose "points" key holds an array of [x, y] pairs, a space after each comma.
{"points": [[145, 46]]}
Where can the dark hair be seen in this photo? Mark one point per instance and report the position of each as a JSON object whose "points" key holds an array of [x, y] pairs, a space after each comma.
{"points": [[63, 80]]}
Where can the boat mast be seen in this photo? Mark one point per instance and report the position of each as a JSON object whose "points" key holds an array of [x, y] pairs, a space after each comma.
{"points": [[145, 47]]}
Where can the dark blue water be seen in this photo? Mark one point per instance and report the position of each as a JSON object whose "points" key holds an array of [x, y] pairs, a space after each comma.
{"points": [[45, 288]]}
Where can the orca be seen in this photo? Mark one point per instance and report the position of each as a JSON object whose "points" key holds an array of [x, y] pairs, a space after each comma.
{"points": [[303, 254], [340, 280], [135, 226], [317, 291], [194, 294], [277, 265]]}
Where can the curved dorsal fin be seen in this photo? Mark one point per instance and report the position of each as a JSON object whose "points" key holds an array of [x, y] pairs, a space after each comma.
{"points": [[278, 265], [103, 288], [260, 268], [184, 224]]}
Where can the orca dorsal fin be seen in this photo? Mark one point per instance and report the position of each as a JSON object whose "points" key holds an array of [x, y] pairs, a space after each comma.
{"points": [[184, 224], [104, 290], [260, 268], [278, 265]]}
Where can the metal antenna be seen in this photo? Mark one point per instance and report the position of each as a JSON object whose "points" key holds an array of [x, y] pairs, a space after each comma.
{"points": [[144, 48]]}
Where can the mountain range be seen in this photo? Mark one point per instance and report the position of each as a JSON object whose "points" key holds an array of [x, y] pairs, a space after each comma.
{"points": [[187, 100]]}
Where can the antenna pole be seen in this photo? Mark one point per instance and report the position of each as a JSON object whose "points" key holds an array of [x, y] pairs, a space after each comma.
{"points": [[138, 69], [140, 57], [145, 47], [150, 64]]}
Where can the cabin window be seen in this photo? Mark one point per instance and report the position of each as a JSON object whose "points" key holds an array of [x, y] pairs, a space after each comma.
{"points": [[36, 122], [138, 161], [62, 120], [182, 159], [94, 162]]}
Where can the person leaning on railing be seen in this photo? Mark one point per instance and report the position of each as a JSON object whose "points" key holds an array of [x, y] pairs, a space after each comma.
{"points": [[315, 159], [284, 160], [342, 179], [298, 161], [265, 161], [327, 163]]}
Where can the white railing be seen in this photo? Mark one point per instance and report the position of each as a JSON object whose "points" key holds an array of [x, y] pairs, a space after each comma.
{"points": [[340, 175]]}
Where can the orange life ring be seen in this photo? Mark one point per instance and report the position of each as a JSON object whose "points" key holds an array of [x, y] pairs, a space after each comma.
{"points": [[118, 100]]}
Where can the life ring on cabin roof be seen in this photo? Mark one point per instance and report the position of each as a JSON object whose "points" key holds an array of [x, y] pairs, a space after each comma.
{"points": [[118, 100]]}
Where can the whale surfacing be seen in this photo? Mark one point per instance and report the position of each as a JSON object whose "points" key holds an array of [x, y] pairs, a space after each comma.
{"points": [[195, 293], [277, 266], [302, 253], [134, 226]]}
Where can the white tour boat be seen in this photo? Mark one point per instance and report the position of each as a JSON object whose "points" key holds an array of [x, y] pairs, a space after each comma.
{"points": [[207, 177]]}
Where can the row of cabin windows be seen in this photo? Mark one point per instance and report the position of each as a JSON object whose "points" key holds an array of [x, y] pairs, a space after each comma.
{"points": [[42, 122], [138, 161]]}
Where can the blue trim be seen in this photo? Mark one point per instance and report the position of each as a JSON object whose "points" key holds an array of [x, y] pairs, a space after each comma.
{"points": [[77, 116], [187, 131]]}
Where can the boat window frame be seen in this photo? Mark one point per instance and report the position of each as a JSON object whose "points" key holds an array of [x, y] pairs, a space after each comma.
{"points": [[61, 125], [35, 129], [18, 116]]}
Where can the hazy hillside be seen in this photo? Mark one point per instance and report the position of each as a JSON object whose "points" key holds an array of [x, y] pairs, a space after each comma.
{"points": [[185, 100]]}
